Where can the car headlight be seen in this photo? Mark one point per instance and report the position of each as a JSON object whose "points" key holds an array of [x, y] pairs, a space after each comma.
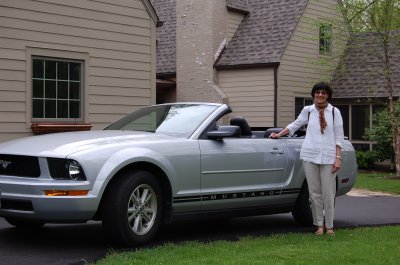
{"points": [[74, 169], [65, 169]]}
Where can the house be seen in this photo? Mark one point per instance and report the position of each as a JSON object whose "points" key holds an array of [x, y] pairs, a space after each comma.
{"points": [[74, 65], [360, 83], [258, 56]]}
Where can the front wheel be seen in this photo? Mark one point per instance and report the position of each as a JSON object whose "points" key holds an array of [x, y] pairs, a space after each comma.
{"points": [[132, 209], [302, 210]]}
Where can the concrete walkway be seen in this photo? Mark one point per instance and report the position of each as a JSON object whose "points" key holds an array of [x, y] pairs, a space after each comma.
{"points": [[368, 193]]}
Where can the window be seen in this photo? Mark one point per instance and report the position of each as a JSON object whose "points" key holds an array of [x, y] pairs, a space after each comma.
{"points": [[56, 89], [360, 116], [325, 39], [378, 108], [300, 103], [357, 118], [344, 111], [361, 147]]}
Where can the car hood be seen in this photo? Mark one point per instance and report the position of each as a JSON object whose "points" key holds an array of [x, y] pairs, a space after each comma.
{"points": [[64, 144]]}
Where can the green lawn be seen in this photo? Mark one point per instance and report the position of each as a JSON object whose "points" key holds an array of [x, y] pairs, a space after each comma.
{"points": [[364, 246], [378, 182]]}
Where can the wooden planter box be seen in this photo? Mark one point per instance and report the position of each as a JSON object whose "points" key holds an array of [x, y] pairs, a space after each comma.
{"points": [[43, 128]]}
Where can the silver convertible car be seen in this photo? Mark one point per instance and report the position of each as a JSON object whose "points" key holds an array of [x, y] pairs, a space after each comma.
{"points": [[156, 165]]}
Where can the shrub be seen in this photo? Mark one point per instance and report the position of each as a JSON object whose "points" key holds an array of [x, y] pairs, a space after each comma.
{"points": [[381, 133], [366, 159]]}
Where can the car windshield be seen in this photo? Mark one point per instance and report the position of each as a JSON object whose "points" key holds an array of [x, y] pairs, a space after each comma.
{"points": [[176, 119]]}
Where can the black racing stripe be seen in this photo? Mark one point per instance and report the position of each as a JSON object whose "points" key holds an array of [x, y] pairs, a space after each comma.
{"points": [[187, 199], [236, 195], [290, 191]]}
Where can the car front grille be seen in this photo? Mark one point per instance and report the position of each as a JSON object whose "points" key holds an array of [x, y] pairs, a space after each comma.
{"points": [[19, 166]]}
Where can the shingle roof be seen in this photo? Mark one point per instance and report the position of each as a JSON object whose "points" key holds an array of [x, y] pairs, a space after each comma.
{"points": [[361, 72], [166, 36], [262, 37], [238, 5]]}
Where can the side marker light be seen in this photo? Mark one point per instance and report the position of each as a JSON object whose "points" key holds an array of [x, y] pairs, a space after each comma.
{"points": [[66, 192]]}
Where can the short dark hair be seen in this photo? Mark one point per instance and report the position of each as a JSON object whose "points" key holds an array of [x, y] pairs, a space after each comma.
{"points": [[322, 86]]}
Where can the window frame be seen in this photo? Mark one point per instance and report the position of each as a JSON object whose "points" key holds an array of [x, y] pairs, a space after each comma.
{"points": [[63, 55]]}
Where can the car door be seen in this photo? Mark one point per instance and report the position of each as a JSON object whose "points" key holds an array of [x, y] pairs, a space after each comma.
{"points": [[241, 172]]}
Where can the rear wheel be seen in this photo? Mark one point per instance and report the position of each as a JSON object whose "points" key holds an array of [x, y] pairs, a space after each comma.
{"points": [[302, 211], [132, 209], [24, 224]]}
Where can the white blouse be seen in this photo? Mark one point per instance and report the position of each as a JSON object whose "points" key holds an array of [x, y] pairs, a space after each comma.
{"points": [[319, 148]]}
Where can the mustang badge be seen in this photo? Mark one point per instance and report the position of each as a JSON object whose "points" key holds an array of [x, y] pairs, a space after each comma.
{"points": [[4, 163]]}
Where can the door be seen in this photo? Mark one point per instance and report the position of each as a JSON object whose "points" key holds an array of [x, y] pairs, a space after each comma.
{"points": [[241, 172]]}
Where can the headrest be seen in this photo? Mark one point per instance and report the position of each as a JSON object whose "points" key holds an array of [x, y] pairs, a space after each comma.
{"points": [[242, 123]]}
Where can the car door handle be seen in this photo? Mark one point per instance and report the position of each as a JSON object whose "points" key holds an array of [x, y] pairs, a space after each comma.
{"points": [[277, 151]]}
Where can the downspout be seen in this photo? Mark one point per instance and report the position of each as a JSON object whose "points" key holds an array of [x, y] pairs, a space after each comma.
{"points": [[275, 96]]}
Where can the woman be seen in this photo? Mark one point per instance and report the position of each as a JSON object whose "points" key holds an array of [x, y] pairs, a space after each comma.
{"points": [[320, 153]]}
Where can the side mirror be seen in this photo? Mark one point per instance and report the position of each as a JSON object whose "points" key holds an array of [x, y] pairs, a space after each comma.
{"points": [[224, 132]]}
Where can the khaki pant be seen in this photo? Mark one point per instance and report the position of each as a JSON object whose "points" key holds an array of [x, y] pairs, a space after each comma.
{"points": [[322, 188]]}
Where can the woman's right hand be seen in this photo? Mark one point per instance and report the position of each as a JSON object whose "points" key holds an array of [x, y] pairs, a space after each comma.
{"points": [[274, 135]]}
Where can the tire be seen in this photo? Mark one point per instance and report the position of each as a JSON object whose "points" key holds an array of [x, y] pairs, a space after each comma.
{"points": [[24, 224], [132, 209], [302, 210]]}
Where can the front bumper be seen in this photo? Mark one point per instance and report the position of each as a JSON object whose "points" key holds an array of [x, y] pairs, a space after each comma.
{"points": [[25, 198]]}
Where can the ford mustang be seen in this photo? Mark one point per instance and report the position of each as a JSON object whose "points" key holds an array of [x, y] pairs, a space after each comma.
{"points": [[158, 164]]}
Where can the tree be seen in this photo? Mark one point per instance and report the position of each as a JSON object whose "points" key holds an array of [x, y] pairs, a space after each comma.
{"points": [[372, 15], [383, 18]]}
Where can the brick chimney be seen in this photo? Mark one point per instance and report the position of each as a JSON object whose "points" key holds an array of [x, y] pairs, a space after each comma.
{"points": [[200, 30]]}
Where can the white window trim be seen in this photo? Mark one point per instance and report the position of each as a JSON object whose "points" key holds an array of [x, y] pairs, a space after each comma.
{"points": [[56, 54]]}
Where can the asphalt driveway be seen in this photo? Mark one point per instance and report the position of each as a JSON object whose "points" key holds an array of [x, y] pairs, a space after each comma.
{"points": [[82, 243]]}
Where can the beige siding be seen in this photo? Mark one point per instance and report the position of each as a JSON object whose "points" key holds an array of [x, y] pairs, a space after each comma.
{"points": [[299, 70], [250, 93], [115, 39], [234, 20]]}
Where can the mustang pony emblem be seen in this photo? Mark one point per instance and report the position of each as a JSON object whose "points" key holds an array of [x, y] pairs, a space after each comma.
{"points": [[4, 164]]}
